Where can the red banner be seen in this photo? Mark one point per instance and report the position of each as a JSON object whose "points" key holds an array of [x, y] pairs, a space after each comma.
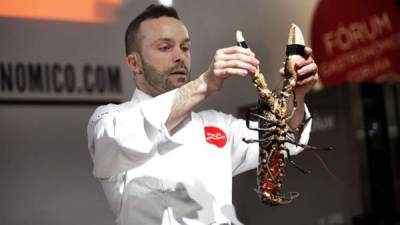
{"points": [[357, 40]]}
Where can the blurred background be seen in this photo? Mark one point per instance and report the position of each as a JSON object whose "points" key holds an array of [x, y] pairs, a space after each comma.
{"points": [[61, 59]]}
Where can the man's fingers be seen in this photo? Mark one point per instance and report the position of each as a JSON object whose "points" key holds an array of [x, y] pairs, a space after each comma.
{"points": [[241, 57], [235, 49], [308, 69], [307, 51], [235, 60], [230, 72], [307, 58], [308, 80], [235, 64], [302, 62]]}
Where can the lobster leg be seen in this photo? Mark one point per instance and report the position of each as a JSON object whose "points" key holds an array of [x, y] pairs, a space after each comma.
{"points": [[266, 129], [249, 141], [270, 137], [291, 161], [302, 125], [309, 146], [252, 114]]}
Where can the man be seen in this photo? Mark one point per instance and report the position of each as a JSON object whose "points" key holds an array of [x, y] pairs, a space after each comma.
{"points": [[158, 161]]}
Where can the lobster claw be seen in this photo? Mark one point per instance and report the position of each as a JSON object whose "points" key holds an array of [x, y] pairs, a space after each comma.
{"points": [[295, 36], [294, 51]]}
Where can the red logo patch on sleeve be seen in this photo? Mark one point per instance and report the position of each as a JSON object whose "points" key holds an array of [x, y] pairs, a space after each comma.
{"points": [[215, 136]]}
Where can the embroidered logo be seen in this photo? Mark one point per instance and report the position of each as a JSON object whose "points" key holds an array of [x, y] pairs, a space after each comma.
{"points": [[215, 136]]}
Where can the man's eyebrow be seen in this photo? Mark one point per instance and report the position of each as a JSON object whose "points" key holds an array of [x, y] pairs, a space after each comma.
{"points": [[172, 40], [165, 40]]}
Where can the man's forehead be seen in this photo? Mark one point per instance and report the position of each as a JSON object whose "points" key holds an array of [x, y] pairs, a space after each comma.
{"points": [[164, 28]]}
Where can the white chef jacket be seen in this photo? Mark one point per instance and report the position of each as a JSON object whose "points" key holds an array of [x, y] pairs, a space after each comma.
{"points": [[151, 176]]}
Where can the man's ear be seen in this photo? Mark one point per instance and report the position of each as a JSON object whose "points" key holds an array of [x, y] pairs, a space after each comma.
{"points": [[134, 62]]}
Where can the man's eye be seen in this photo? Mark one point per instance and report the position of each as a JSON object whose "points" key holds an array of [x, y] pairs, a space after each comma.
{"points": [[163, 48], [185, 48]]}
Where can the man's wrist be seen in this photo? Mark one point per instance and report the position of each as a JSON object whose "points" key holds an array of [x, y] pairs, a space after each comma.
{"points": [[208, 85]]}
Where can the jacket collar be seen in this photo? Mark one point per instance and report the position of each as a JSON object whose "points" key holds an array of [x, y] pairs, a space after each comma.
{"points": [[139, 95]]}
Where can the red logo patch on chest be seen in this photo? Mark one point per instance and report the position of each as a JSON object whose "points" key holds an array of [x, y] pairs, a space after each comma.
{"points": [[215, 136]]}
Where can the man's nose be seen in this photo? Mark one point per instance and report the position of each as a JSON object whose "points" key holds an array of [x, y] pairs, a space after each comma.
{"points": [[178, 55]]}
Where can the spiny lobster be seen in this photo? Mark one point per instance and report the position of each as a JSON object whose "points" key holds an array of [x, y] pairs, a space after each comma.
{"points": [[272, 114]]}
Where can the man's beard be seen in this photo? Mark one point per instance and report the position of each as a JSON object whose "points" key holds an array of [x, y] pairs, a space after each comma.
{"points": [[159, 79]]}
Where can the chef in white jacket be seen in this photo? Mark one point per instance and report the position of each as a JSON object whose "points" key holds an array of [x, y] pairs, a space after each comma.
{"points": [[161, 163]]}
